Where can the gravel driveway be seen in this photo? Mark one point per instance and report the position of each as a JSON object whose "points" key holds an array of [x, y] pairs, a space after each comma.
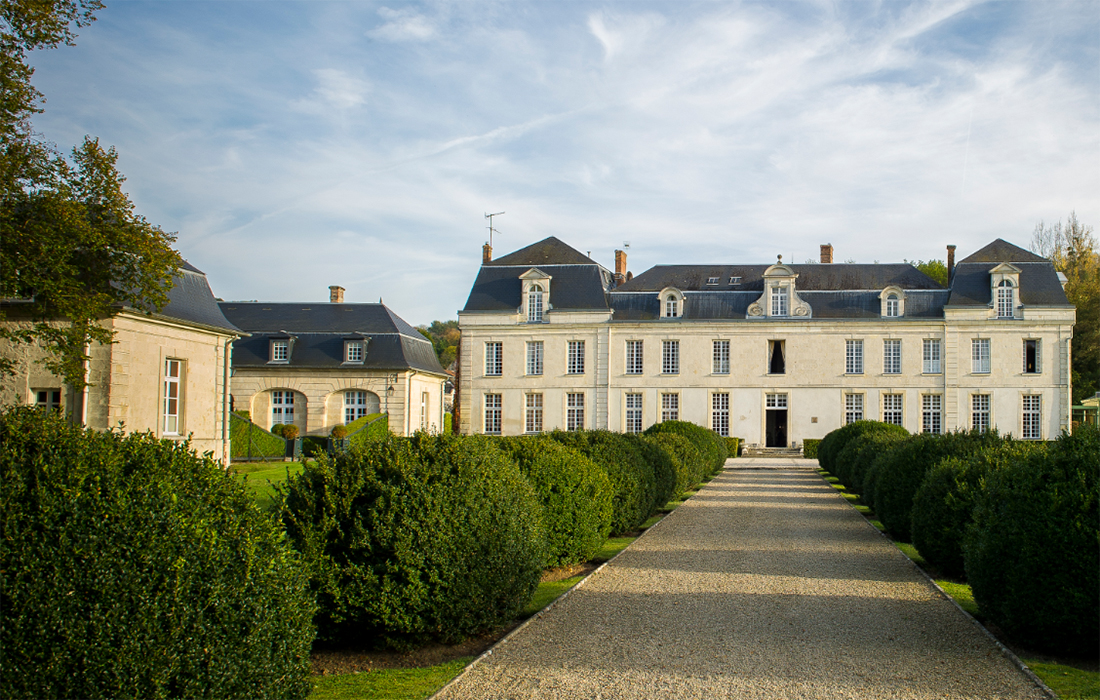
{"points": [[766, 584]]}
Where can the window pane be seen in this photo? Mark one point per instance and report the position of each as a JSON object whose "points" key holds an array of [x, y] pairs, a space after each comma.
{"points": [[633, 357], [853, 357], [721, 357], [534, 357], [931, 420], [891, 356], [892, 408], [575, 357], [720, 414], [853, 408], [931, 356], [980, 355], [534, 413], [492, 413], [670, 356], [979, 411], [574, 414], [494, 363], [670, 407], [633, 413]]}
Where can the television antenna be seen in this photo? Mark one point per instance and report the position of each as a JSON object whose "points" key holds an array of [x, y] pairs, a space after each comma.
{"points": [[626, 245], [491, 229]]}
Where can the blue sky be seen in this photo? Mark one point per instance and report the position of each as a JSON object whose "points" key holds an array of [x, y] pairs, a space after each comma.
{"points": [[294, 145]]}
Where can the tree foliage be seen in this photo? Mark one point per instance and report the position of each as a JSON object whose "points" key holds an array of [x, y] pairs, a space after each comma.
{"points": [[444, 336], [73, 247], [1073, 250], [936, 269]]}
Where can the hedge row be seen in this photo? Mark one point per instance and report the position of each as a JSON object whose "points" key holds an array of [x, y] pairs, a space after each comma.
{"points": [[1019, 519], [809, 448], [133, 568]]}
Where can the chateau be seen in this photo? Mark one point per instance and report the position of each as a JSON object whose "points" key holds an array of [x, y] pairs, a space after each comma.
{"points": [[774, 354]]}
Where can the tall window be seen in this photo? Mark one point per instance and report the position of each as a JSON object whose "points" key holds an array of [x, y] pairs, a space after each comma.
{"points": [[853, 357], [720, 414], [534, 303], [932, 416], [1033, 418], [933, 353], [853, 408], [492, 413], [779, 301], [533, 422], [280, 350], [494, 359], [48, 399], [424, 410], [575, 359], [1005, 299], [534, 357], [777, 361], [172, 371], [979, 411], [1032, 364], [355, 405], [671, 306], [892, 409], [670, 407], [979, 350], [282, 407], [891, 356], [353, 351], [574, 411], [633, 357], [670, 357], [892, 305], [633, 413], [721, 357]]}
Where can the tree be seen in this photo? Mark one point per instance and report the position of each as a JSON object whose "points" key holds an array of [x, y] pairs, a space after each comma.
{"points": [[444, 336], [73, 248], [1073, 250], [936, 269]]}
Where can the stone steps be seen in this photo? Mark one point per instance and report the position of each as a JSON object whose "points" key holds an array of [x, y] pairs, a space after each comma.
{"points": [[755, 451]]}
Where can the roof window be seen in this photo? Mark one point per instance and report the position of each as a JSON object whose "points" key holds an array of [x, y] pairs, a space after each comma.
{"points": [[735, 280], [712, 280]]}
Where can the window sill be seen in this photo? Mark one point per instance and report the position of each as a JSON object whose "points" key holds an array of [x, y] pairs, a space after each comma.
{"points": [[931, 374], [981, 374], [670, 374], [352, 363], [278, 362], [853, 374]]}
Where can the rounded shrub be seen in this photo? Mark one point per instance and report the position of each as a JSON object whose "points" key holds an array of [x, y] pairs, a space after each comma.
{"points": [[575, 494], [859, 454], [713, 448], [133, 568], [633, 483], [278, 429], [898, 474], [415, 539], [834, 442], [687, 462], [943, 506], [1031, 553], [339, 432], [290, 431]]}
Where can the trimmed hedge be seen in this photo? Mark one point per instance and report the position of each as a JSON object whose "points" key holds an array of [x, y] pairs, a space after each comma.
{"points": [[416, 539], [898, 474], [133, 568], [710, 444], [264, 443], [633, 484], [943, 506], [859, 455], [809, 448], [686, 460], [834, 442], [575, 494], [1031, 554]]}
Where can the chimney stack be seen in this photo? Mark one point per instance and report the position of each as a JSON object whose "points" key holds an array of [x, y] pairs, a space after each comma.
{"points": [[336, 294], [826, 253], [486, 254], [950, 263], [620, 267]]}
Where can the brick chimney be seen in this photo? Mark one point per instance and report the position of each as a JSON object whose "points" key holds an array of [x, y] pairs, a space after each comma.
{"points": [[620, 267], [336, 294], [486, 254], [826, 253], [950, 263]]}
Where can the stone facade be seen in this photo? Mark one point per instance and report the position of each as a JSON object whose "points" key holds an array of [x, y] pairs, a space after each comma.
{"points": [[766, 352]]}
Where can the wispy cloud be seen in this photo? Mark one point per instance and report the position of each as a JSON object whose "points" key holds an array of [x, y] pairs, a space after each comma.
{"points": [[403, 25]]}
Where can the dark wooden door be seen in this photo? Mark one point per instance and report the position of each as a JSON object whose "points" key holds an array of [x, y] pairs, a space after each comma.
{"points": [[776, 434]]}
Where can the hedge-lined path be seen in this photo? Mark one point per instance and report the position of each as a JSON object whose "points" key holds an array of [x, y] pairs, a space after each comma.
{"points": [[766, 584]]}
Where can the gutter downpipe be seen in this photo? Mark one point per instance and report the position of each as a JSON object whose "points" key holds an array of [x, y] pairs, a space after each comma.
{"points": [[227, 349], [84, 394]]}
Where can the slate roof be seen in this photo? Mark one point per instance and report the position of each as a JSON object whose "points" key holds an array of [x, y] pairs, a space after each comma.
{"points": [[836, 276], [548, 251], [498, 288], [1000, 251], [191, 301], [727, 305], [318, 332], [1039, 285]]}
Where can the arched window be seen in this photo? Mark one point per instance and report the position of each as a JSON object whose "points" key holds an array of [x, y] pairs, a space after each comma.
{"points": [[671, 310], [892, 305], [1005, 299], [534, 304]]}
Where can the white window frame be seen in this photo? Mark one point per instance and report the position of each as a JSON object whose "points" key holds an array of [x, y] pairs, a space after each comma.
{"points": [[721, 356], [1006, 299], [670, 357], [672, 306], [494, 358], [781, 303], [355, 405], [933, 356], [980, 412], [891, 356], [775, 401], [282, 407], [172, 418], [534, 358], [893, 409], [353, 351], [1031, 420], [670, 407], [280, 351], [980, 355], [574, 411], [494, 404], [535, 304], [425, 397], [634, 357], [893, 305], [853, 408], [932, 414], [575, 357], [532, 413], [853, 357], [633, 404], [720, 413]]}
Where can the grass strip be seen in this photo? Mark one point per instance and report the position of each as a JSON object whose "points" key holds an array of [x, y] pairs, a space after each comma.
{"points": [[388, 684], [259, 477], [1070, 683], [547, 593], [611, 547]]}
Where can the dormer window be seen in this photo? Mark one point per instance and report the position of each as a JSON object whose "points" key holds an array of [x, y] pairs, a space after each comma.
{"points": [[780, 298], [534, 304], [353, 351], [712, 280], [893, 302], [671, 306], [672, 303], [535, 301], [735, 280], [1005, 299], [780, 301], [892, 305], [280, 350]]}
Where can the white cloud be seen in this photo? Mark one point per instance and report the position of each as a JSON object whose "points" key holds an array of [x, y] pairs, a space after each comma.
{"points": [[403, 25]]}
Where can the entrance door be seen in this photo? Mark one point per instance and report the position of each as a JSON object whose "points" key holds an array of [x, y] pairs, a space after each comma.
{"points": [[775, 430]]}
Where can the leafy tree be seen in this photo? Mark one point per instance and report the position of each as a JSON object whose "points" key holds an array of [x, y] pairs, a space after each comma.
{"points": [[936, 269], [444, 336], [72, 246], [1073, 250]]}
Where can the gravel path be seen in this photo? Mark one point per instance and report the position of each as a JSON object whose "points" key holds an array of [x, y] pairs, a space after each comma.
{"points": [[766, 584]]}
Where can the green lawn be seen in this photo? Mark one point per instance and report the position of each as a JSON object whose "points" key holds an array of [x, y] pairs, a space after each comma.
{"points": [[547, 593], [388, 684], [1070, 683], [258, 478]]}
